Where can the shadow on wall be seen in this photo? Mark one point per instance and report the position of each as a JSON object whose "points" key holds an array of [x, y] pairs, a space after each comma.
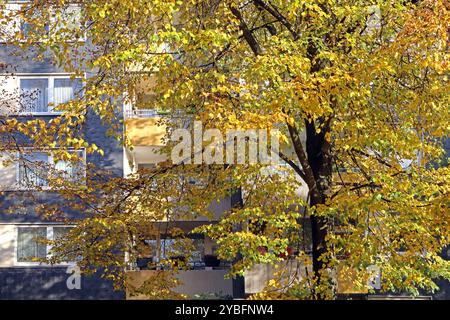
{"points": [[112, 160], [20, 206], [23, 62], [49, 283]]}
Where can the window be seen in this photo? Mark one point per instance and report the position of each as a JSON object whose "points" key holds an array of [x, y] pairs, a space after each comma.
{"points": [[30, 242], [70, 171], [42, 94], [34, 95], [36, 24], [34, 168], [28, 246], [65, 90], [68, 23], [198, 252], [160, 249], [60, 232], [30, 29], [153, 251], [167, 248], [67, 169]]}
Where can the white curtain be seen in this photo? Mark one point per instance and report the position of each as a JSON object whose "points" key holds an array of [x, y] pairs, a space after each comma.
{"points": [[70, 171], [67, 170], [28, 246], [65, 90]]}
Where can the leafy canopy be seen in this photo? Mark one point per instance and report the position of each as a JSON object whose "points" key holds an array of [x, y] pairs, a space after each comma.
{"points": [[358, 89]]}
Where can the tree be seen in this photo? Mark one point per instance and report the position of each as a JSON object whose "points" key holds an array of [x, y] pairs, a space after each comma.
{"points": [[358, 90]]}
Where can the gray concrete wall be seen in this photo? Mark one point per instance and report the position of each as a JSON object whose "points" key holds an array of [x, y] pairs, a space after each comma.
{"points": [[25, 283], [19, 207], [94, 132]]}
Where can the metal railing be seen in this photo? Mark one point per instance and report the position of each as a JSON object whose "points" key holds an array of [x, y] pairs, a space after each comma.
{"points": [[140, 113], [181, 119]]}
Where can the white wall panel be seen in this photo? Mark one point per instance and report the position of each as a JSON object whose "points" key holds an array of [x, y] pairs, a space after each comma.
{"points": [[7, 245]]}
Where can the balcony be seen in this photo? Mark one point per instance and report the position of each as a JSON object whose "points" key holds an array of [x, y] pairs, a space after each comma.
{"points": [[147, 130], [352, 281], [257, 277], [193, 282], [145, 127]]}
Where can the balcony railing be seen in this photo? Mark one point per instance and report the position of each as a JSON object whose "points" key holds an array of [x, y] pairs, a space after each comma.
{"points": [[141, 113], [192, 283], [150, 113]]}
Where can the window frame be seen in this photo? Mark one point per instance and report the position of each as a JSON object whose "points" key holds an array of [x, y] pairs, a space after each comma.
{"points": [[16, 251], [49, 235], [50, 77], [17, 165], [51, 162], [162, 244]]}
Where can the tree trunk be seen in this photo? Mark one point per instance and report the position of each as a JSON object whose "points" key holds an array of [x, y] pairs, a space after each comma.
{"points": [[318, 150]]}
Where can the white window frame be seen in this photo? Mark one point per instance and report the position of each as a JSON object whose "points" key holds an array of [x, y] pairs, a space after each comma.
{"points": [[50, 77], [49, 237], [51, 162]]}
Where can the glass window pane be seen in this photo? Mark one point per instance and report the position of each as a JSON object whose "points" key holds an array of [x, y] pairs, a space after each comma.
{"points": [[28, 246], [66, 90], [60, 232], [68, 170], [34, 95], [149, 249], [166, 248], [27, 30], [32, 169], [198, 252], [70, 22], [32, 26]]}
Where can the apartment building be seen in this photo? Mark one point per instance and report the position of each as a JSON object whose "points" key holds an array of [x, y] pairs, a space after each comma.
{"points": [[30, 90], [20, 276], [23, 278]]}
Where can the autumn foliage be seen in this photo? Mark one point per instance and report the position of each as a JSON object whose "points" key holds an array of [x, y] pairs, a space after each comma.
{"points": [[358, 90]]}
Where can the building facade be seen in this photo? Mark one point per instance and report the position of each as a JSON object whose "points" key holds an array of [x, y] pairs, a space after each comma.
{"points": [[23, 278], [30, 89]]}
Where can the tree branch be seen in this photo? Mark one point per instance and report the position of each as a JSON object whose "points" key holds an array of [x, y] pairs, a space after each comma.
{"points": [[277, 15], [301, 155], [293, 165], [247, 33]]}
